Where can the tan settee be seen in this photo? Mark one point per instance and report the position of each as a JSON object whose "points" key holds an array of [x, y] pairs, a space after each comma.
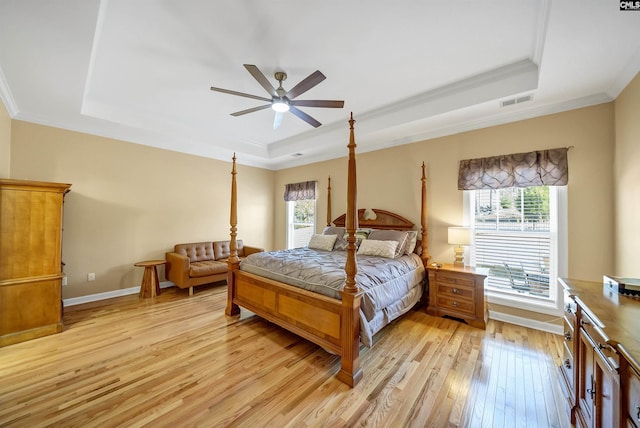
{"points": [[200, 263]]}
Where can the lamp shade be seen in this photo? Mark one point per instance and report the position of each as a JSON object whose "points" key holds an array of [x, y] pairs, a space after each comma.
{"points": [[459, 236]]}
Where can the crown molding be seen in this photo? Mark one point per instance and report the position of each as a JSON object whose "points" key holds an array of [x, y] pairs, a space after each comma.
{"points": [[7, 96]]}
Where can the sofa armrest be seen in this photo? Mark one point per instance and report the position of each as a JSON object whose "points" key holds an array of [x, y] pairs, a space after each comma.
{"points": [[177, 269], [250, 250]]}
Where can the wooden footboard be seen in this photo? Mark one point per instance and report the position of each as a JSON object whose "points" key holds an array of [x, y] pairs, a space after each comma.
{"points": [[310, 315]]}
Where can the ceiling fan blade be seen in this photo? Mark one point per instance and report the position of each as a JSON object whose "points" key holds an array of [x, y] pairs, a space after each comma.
{"points": [[309, 82], [318, 103], [277, 120], [250, 110], [304, 116], [262, 80], [240, 94]]}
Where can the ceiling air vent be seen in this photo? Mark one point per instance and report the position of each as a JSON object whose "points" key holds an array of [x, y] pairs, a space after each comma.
{"points": [[514, 101]]}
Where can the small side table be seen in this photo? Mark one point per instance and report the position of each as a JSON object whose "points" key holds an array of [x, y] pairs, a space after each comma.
{"points": [[458, 292], [150, 286]]}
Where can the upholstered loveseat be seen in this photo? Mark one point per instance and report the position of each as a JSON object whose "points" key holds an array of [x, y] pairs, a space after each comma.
{"points": [[200, 263]]}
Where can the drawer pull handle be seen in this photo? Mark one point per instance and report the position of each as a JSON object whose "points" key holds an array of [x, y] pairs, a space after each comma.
{"points": [[455, 291], [567, 335], [602, 346], [592, 391], [638, 413], [567, 363], [455, 304]]}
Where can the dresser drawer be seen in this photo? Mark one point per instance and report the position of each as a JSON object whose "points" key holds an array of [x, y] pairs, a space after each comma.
{"points": [[568, 368], [457, 305], [600, 339], [633, 400], [570, 309], [453, 290]]}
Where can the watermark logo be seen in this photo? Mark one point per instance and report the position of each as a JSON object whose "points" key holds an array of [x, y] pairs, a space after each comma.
{"points": [[630, 5]]}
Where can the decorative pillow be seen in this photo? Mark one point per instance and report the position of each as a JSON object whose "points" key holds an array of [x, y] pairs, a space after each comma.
{"points": [[391, 235], [341, 242], [361, 235], [372, 247], [322, 242], [412, 238]]}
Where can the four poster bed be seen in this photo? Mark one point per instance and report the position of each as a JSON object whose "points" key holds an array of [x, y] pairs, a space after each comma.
{"points": [[332, 316]]}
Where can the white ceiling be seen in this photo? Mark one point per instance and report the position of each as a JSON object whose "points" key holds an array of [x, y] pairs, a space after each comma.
{"points": [[140, 71]]}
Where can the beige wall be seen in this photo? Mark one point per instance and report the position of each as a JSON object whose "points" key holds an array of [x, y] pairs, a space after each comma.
{"points": [[627, 179], [5, 142], [130, 202], [390, 179]]}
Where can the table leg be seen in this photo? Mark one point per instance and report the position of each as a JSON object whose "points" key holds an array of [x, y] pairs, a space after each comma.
{"points": [[150, 285]]}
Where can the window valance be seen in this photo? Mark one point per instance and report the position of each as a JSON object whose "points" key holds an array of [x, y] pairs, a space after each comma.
{"points": [[300, 191], [539, 168]]}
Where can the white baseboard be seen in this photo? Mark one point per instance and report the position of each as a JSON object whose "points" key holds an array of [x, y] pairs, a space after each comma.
{"points": [[108, 295], [527, 322]]}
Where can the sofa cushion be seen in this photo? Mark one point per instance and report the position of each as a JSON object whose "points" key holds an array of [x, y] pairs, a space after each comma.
{"points": [[197, 252], [205, 268], [222, 250]]}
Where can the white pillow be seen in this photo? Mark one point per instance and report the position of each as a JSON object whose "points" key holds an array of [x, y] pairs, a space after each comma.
{"points": [[373, 247], [412, 238], [322, 242]]}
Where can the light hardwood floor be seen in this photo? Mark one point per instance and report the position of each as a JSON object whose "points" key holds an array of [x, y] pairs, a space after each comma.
{"points": [[179, 361]]}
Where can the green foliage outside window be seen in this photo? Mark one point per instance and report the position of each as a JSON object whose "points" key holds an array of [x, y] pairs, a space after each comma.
{"points": [[303, 213]]}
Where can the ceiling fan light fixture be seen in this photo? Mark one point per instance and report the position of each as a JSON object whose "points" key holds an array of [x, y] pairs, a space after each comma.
{"points": [[280, 106]]}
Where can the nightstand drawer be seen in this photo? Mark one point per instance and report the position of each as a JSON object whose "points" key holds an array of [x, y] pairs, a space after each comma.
{"points": [[452, 290], [457, 305], [454, 279]]}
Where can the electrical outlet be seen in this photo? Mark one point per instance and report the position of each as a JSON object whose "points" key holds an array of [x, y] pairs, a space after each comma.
{"points": [[64, 280], [91, 276]]}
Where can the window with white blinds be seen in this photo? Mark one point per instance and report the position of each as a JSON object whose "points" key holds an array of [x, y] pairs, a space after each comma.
{"points": [[514, 239]]}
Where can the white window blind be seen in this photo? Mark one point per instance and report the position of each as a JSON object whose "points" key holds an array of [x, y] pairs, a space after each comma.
{"points": [[513, 238]]}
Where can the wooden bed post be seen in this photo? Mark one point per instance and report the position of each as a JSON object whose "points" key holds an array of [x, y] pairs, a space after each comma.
{"points": [[423, 221], [329, 203], [233, 261], [350, 371]]}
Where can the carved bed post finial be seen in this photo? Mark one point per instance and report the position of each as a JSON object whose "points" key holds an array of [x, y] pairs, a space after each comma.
{"points": [[233, 262], [329, 203], [423, 220]]}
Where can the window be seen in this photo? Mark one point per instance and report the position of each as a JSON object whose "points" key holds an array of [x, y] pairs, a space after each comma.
{"points": [[301, 212], [301, 222], [516, 239]]}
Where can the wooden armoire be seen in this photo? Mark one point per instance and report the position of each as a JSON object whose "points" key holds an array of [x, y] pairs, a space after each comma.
{"points": [[30, 259]]}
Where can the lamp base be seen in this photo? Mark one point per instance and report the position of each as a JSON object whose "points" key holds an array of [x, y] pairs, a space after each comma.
{"points": [[459, 252]]}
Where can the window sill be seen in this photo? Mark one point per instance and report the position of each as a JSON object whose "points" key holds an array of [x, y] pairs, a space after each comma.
{"points": [[547, 306]]}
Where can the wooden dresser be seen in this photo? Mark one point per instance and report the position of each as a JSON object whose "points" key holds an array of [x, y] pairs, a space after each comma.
{"points": [[458, 292], [30, 259], [599, 373]]}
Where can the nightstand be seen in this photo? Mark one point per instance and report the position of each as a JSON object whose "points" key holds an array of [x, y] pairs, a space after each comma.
{"points": [[458, 292]]}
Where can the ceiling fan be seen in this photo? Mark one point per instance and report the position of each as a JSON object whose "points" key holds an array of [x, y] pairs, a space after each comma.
{"points": [[282, 100]]}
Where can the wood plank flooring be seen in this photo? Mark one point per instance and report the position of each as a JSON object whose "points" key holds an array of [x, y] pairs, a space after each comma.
{"points": [[178, 361]]}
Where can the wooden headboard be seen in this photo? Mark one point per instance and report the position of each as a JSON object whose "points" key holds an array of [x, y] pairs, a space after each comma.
{"points": [[384, 220]]}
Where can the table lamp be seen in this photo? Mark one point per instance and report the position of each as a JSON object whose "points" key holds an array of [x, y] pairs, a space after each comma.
{"points": [[459, 236]]}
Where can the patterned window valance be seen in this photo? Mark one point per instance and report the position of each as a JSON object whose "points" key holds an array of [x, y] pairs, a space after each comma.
{"points": [[300, 191], [540, 168]]}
